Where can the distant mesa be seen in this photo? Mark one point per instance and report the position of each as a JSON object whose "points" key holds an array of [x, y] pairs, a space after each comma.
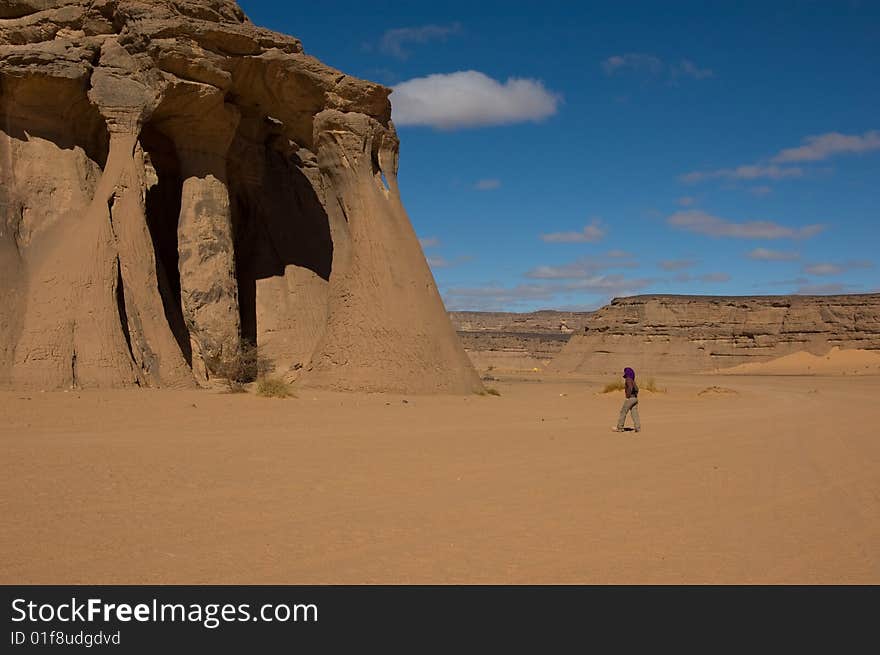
{"points": [[175, 181], [684, 334]]}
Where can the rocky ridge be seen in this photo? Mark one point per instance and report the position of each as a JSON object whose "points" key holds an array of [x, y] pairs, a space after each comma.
{"points": [[665, 333]]}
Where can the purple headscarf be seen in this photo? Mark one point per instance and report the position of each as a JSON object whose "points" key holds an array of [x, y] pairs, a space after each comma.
{"points": [[629, 373]]}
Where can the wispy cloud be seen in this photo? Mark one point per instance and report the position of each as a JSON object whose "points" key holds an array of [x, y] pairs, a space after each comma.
{"points": [[831, 288], [798, 281], [823, 146], [615, 284], [494, 297], [634, 61], [429, 242], [584, 267], [439, 261], [653, 65], [677, 264], [471, 99], [814, 148], [760, 191], [488, 184], [827, 268], [591, 233], [704, 223], [394, 42], [687, 68], [768, 255], [686, 201], [706, 277], [749, 172]]}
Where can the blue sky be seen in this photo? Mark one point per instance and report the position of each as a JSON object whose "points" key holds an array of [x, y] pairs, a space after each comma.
{"points": [[556, 154]]}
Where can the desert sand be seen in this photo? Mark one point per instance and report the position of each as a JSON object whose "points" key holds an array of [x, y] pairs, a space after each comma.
{"points": [[835, 362], [767, 479], [179, 187]]}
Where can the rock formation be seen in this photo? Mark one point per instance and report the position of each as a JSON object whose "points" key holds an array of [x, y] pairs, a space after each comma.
{"points": [[508, 341], [175, 181], [679, 334]]}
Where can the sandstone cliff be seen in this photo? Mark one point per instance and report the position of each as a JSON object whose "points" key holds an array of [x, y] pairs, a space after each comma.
{"points": [[174, 180], [702, 333], [509, 341]]}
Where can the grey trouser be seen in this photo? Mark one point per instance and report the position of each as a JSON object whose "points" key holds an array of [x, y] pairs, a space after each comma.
{"points": [[629, 405]]}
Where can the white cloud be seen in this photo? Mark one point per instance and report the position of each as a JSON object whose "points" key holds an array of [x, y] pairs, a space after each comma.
{"points": [[470, 99], [429, 242], [686, 201], [393, 42], [488, 184], [768, 255], [823, 146], [749, 172], [703, 223], [827, 268], [676, 264], [584, 267], [590, 234]]}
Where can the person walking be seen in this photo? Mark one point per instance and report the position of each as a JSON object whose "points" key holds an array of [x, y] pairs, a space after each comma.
{"points": [[631, 402]]}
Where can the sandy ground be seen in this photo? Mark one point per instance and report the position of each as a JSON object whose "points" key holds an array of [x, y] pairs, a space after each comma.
{"points": [[776, 480]]}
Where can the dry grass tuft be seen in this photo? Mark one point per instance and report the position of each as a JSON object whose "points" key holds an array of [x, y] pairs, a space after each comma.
{"points": [[240, 367], [489, 391], [617, 385], [717, 390], [274, 388], [620, 385]]}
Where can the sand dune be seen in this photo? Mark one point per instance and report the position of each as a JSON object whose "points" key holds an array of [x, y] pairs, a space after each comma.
{"points": [[836, 362]]}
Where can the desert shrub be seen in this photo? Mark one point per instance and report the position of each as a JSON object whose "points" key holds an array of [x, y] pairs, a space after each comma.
{"points": [[651, 385], [240, 367], [617, 385], [489, 391], [274, 388], [620, 385]]}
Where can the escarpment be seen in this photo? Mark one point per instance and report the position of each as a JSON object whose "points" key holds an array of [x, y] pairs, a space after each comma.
{"points": [[679, 334], [175, 182]]}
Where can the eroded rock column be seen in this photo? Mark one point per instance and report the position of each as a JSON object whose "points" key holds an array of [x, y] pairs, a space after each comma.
{"points": [[387, 329], [208, 286]]}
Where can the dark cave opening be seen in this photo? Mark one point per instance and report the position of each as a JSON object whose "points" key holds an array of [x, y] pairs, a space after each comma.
{"points": [[278, 220], [163, 200]]}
